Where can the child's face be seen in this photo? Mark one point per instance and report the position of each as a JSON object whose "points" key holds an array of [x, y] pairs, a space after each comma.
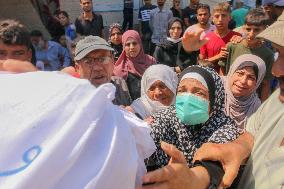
{"points": [[221, 19], [251, 31]]}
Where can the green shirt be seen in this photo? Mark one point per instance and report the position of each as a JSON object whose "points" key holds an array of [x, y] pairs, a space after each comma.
{"points": [[266, 54], [265, 167]]}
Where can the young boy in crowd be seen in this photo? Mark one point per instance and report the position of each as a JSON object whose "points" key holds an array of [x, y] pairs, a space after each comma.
{"points": [[214, 50], [255, 22]]}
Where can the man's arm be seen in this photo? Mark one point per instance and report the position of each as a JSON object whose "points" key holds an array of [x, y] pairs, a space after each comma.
{"points": [[151, 21], [176, 175], [231, 155], [191, 41], [78, 27], [265, 90], [65, 54], [223, 54]]}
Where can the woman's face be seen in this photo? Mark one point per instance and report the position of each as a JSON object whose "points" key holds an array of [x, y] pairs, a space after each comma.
{"points": [[194, 87], [243, 82], [161, 93], [115, 36], [132, 48], [175, 30]]}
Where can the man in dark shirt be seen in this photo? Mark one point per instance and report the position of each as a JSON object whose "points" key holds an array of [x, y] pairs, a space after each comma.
{"points": [[145, 30], [189, 13], [89, 23], [127, 14]]}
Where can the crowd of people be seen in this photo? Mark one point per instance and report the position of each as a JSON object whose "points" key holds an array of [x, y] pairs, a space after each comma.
{"points": [[205, 87]]}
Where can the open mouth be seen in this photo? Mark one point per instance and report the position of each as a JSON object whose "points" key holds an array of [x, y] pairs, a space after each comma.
{"points": [[98, 77]]}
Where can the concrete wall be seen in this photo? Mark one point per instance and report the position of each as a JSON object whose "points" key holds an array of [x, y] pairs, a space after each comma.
{"points": [[23, 11]]}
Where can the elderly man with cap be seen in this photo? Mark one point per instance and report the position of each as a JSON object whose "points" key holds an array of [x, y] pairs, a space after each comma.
{"points": [[260, 147], [95, 62], [273, 8]]}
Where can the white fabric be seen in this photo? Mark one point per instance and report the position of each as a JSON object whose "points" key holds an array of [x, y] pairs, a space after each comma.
{"points": [[144, 106], [174, 40], [59, 132], [197, 76]]}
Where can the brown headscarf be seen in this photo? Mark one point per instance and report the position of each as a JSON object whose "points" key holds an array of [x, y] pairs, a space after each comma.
{"points": [[241, 108], [136, 65]]}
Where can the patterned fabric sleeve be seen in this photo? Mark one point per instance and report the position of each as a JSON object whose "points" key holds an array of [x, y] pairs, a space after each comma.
{"points": [[161, 131], [225, 133]]}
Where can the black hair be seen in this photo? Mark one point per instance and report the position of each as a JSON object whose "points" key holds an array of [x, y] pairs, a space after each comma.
{"points": [[172, 21], [257, 17], [203, 6], [14, 33], [64, 13], [36, 33]]}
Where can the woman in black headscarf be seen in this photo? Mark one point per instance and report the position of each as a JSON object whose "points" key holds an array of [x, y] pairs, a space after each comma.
{"points": [[196, 118], [115, 39], [171, 52]]}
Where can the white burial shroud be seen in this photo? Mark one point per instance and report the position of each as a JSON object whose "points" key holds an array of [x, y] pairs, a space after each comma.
{"points": [[59, 132]]}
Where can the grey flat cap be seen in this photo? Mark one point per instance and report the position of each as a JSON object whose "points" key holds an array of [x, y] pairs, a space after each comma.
{"points": [[89, 44]]}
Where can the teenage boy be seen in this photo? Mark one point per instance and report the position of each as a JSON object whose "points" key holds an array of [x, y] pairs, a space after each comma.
{"points": [[255, 22], [214, 50], [14, 41]]}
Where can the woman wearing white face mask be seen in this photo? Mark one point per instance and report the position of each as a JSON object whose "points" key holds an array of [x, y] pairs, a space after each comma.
{"points": [[196, 118], [171, 52], [158, 88]]}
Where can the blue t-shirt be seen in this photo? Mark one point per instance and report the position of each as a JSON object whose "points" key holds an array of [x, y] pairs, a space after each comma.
{"points": [[70, 31]]}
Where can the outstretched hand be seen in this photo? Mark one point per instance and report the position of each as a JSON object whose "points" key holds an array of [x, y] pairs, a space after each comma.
{"points": [[176, 175], [226, 154], [17, 66], [191, 41]]}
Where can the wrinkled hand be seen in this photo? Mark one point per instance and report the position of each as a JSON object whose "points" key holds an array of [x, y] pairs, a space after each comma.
{"points": [[177, 69], [191, 41], [175, 175], [227, 154], [149, 120], [17, 66], [236, 39]]}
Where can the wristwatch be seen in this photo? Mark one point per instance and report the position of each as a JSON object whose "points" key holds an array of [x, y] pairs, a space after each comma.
{"points": [[215, 172]]}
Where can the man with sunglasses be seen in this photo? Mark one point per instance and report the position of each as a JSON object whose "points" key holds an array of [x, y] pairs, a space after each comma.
{"points": [[94, 61]]}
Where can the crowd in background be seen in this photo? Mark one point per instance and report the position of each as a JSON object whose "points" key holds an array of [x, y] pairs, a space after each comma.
{"points": [[189, 96]]}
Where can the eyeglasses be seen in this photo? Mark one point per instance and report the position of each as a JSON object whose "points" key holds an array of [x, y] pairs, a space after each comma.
{"points": [[101, 60]]}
